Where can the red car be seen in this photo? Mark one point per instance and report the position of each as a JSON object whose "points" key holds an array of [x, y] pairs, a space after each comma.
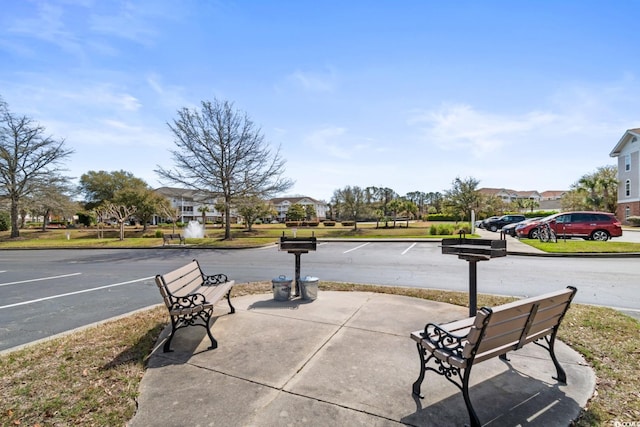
{"points": [[587, 225]]}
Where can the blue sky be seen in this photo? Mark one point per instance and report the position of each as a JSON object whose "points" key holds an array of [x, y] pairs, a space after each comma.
{"points": [[401, 94]]}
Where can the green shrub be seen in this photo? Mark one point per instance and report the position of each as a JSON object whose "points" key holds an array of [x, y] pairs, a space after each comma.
{"points": [[445, 229], [348, 223], [448, 229], [441, 217], [293, 223], [158, 233], [5, 221], [634, 220], [329, 223], [310, 223]]}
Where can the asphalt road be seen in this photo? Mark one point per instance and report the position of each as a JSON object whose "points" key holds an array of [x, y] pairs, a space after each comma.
{"points": [[46, 292]]}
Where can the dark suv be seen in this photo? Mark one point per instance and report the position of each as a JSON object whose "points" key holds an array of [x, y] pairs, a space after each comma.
{"points": [[497, 223], [587, 225]]}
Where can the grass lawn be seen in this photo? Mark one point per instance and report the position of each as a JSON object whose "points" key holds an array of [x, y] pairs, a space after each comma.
{"points": [[91, 377], [214, 236], [576, 246]]}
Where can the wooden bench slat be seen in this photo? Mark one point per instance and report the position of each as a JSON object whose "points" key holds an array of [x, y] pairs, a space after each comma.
{"points": [[179, 272], [186, 284]]}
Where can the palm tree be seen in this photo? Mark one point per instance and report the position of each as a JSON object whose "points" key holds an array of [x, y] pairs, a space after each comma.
{"points": [[203, 209]]}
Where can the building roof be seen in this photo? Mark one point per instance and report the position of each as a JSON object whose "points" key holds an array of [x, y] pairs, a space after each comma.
{"points": [[522, 194], [552, 194], [185, 193], [629, 135], [292, 200], [494, 191]]}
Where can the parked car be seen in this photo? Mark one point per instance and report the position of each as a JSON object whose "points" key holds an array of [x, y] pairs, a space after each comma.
{"points": [[587, 225], [510, 229], [498, 223], [482, 223]]}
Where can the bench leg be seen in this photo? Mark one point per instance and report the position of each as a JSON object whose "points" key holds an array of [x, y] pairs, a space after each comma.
{"points": [[473, 417], [179, 323], [449, 373], [206, 317], [233, 309], [418, 382], [214, 343], [167, 343], [560, 373]]}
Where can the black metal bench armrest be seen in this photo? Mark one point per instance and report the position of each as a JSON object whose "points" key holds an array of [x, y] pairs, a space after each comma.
{"points": [[188, 301], [215, 279], [442, 339]]}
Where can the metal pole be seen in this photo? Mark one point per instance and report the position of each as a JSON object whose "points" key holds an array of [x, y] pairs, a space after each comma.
{"points": [[473, 287], [297, 254]]}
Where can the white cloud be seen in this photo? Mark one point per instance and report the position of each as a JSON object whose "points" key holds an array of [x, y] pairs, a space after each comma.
{"points": [[314, 81], [460, 126], [327, 141], [171, 96], [339, 144], [48, 25], [128, 23]]}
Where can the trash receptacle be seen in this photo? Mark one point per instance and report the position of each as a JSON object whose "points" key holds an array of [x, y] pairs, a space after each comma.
{"points": [[281, 288], [309, 287]]}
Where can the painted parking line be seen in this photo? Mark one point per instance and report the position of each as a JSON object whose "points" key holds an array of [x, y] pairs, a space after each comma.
{"points": [[357, 247], [75, 293], [39, 279], [408, 249]]}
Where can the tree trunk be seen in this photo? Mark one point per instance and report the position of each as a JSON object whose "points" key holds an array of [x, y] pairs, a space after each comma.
{"points": [[15, 231], [227, 224], [45, 219]]}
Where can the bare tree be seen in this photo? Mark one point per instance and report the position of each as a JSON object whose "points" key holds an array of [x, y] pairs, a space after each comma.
{"points": [[121, 213], [101, 214], [29, 160], [220, 150], [171, 213], [52, 198]]}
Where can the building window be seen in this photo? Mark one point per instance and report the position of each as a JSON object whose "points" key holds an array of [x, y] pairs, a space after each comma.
{"points": [[627, 188], [627, 212], [627, 162]]}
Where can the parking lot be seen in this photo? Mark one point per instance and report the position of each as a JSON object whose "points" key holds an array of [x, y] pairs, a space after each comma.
{"points": [[47, 292]]}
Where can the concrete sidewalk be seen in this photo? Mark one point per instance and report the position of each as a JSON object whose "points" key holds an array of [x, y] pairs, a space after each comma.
{"points": [[345, 359]]}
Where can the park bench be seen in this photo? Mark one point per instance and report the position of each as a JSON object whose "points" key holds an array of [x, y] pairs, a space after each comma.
{"points": [[190, 296], [167, 238], [455, 347]]}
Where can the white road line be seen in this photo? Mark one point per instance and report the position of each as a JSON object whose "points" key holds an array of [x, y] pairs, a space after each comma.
{"points": [[75, 293], [543, 410], [357, 247], [40, 279], [408, 249]]}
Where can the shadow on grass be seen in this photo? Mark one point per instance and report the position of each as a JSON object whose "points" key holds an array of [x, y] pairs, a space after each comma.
{"points": [[139, 351]]}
